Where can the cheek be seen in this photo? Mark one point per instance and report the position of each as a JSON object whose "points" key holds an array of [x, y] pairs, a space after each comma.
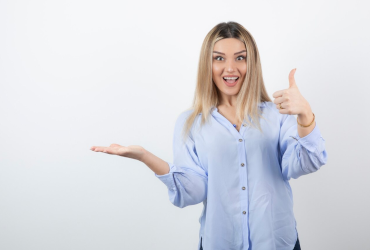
{"points": [[243, 69], [243, 72], [216, 71]]}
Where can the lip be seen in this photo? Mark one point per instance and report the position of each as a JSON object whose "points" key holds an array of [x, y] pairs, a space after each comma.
{"points": [[230, 84]]}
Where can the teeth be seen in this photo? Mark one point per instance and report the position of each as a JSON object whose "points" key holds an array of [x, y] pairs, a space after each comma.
{"points": [[231, 78]]}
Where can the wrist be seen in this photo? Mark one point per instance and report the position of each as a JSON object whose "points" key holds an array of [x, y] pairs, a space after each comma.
{"points": [[143, 155], [306, 117]]}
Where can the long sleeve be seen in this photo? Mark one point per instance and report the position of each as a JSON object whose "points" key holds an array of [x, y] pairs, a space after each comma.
{"points": [[300, 156], [186, 181]]}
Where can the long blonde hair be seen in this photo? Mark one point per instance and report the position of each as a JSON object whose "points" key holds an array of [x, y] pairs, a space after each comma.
{"points": [[252, 91]]}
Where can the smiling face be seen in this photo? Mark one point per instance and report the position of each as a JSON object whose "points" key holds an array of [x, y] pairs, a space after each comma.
{"points": [[229, 67]]}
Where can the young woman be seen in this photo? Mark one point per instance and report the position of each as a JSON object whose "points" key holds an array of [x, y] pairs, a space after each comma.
{"points": [[235, 150]]}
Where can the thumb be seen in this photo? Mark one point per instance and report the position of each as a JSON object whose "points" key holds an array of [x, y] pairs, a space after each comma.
{"points": [[291, 78]]}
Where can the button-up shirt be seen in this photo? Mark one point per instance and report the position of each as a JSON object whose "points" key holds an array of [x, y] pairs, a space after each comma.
{"points": [[242, 177]]}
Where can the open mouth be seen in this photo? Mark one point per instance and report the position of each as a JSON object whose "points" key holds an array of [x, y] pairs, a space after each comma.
{"points": [[230, 81]]}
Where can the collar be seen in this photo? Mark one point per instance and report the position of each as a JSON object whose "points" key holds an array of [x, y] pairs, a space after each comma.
{"points": [[215, 109], [260, 105]]}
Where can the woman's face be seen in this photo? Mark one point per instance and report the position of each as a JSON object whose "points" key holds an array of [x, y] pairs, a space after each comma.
{"points": [[229, 60]]}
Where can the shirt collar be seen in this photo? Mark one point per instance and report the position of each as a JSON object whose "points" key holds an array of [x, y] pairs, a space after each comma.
{"points": [[215, 109], [260, 105]]}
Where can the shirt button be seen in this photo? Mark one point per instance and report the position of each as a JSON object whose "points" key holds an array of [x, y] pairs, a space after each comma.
{"points": [[240, 139], [242, 164], [243, 188], [244, 212], [244, 124]]}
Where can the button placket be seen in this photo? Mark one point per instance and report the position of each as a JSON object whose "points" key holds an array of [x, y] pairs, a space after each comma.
{"points": [[243, 173]]}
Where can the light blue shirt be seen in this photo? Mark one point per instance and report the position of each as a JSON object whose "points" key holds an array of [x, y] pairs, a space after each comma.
{"points": [[242, 178]]}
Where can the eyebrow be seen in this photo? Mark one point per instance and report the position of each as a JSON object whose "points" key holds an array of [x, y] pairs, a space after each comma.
{"points": [[234, 53]]}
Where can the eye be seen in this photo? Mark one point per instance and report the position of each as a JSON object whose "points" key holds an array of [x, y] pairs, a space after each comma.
{"points": [[218, 57], [243, 57]]}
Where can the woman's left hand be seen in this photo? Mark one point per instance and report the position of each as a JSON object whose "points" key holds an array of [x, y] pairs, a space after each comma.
{"points": [[291, 100]]}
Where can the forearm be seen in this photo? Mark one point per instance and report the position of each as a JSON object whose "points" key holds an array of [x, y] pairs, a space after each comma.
{"points": [[303, 155], [156, 164]]}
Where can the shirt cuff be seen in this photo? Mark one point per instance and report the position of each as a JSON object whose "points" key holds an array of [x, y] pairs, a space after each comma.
{"points": [[310, 141], [167, 179]]}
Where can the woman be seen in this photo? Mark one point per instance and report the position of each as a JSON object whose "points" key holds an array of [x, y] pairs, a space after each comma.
{"points": [[235, 150]]}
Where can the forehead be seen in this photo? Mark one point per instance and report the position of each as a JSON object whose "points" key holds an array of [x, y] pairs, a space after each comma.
{"points": [[229, 45]]}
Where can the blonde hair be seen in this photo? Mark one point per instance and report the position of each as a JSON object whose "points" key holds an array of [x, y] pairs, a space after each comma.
{"points": [[252, 91]]}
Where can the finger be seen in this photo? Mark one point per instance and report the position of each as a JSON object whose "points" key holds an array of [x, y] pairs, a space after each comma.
{"points": [[114, 145], [278, 106], [278, 93], [279, 100], [98, 149], [283, 110], [110, 150], [291, 78], [281, 105], [95, 148]]}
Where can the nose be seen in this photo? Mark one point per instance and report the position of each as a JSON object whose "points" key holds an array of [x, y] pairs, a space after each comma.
{"points": [[230, 66]]}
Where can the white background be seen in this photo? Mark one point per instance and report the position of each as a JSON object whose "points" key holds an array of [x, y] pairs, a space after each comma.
{"points": [[74, 74]]}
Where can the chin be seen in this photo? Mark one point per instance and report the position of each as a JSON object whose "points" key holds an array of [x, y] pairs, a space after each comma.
{"points": [[233, 91]]}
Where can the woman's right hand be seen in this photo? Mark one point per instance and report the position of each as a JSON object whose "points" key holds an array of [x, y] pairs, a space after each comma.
{"points": [[133, 151]]}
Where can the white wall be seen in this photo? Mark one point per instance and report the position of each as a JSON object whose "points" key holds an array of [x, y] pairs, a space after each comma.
{"points": [[74, 74]]}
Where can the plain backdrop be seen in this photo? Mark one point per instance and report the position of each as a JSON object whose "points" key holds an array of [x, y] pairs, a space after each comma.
{"points": [[76, 74]]}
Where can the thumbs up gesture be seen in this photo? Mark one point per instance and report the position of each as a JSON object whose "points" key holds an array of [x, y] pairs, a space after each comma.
{"points": [[290, 101]]}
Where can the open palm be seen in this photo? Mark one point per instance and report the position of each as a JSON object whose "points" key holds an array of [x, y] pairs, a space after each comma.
{"points": [[133, 151]]}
